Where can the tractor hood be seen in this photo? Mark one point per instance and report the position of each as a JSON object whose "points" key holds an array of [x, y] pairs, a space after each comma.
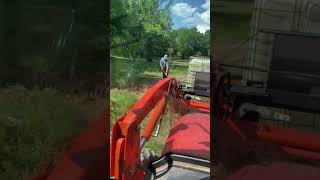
{"points": [[190, 136]]}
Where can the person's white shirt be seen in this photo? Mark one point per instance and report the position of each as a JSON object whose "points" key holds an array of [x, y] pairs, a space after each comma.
{"points": [[164, 63]]}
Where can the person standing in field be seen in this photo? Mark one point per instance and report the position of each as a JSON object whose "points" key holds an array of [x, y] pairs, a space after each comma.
{"points": [[164, 64]]}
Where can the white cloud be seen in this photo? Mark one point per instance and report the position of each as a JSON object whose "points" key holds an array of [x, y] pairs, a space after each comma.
{"points": [[206, 5], [191, 17], [205, 17], [205, 25], [183, 10], [203, 28], [192, 20]]}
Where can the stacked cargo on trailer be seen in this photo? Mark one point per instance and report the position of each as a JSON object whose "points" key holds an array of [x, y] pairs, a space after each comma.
{"points": [[198, 80]]}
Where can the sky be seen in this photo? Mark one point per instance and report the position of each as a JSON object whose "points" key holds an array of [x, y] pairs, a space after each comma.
{"points": [[191, 13]]}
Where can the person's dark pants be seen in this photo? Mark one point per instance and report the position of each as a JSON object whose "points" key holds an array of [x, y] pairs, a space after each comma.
{"points": [[164, 74]]}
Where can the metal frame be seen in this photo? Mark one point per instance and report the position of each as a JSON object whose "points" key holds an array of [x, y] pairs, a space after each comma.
{"points": [[299, 25], [299, 14], [168, 161], [203, 94], [251, 138]]}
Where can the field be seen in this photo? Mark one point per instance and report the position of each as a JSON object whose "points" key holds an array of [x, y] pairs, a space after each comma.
{"points": [[36, 125], [130, 80], [128, 74]]}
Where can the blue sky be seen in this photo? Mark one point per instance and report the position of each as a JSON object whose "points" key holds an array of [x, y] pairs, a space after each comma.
{"points": [[191, 13]]}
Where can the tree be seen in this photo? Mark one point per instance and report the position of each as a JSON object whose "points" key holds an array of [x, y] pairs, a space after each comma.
{"points": [[155, 45], [190, 42], [207, 42], [140, 27], [171, 52], [43, 37]]}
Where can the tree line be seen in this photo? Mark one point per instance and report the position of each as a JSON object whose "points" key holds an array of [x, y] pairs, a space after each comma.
{"points": [[144, 29], [53, 42], [65, 42]]}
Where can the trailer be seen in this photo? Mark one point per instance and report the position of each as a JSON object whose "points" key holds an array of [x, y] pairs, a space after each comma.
{"points": [[198, 79], [266, 121]]}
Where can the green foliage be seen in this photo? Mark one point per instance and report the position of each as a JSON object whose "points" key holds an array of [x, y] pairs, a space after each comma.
{"points": [[32, 124], [120, 101], [39, 43], [145, 30], [139, 27], [52, 37], [170, 51], [191, 42], [156, 45]]}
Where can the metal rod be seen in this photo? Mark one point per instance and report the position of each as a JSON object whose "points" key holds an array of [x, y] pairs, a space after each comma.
{"points": [[158, 129], [142, 141], [243, 67]]}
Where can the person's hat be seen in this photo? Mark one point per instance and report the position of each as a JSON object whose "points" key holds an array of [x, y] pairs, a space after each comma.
{"points": [[165, 56]]}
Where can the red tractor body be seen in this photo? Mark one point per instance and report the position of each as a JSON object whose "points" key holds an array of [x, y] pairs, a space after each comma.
{"points": [[190, 136]]}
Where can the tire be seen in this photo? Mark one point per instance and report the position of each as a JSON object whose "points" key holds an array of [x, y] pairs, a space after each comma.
{"points": [[147, 157]]}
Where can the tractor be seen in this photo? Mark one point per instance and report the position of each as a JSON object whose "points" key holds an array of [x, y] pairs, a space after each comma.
{"points": [[266, 111], [186, 150], [186, 153]]}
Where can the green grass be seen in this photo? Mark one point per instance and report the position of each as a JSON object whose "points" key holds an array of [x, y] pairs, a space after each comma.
{"points": [[37, 125], [156, 143], [128, 74], [120, 102], [126, 90]]}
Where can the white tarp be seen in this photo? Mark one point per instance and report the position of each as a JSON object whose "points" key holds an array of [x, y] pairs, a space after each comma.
{"points": [[197, 64], [284, 15]]}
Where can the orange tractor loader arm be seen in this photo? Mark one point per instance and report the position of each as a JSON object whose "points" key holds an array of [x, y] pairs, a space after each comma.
{"points": [[126, 141]]}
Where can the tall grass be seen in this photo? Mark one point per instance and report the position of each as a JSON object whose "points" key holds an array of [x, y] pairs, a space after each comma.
{"points": [[34, 127], [120, 102]]}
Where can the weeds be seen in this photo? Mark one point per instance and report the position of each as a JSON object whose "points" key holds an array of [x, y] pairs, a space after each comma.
{"points": [[34, 125]]}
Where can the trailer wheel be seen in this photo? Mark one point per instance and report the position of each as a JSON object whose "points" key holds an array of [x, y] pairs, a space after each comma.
{"points": [[147, 157]]}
